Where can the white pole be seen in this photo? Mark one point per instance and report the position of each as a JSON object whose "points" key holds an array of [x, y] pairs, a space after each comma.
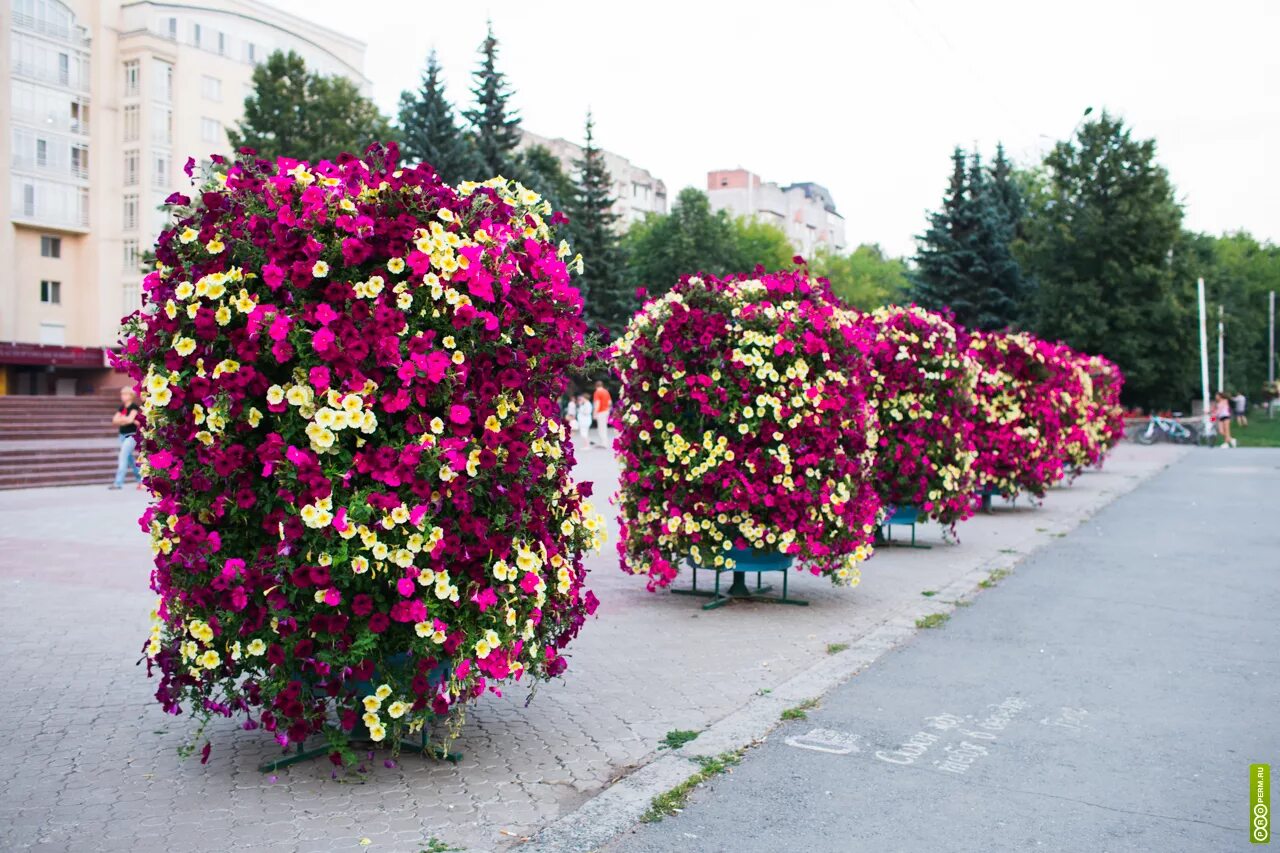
{"points": [[1204, 357], [1271, 352], [1221, 357]]}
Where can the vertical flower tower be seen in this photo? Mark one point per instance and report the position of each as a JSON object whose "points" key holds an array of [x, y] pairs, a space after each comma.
{"points": [[362, 512], [1018, 435], [744, 434], [923, 383]]}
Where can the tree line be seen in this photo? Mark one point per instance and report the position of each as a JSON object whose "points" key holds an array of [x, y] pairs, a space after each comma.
{"points": [[1088, 247], [296, 112]]}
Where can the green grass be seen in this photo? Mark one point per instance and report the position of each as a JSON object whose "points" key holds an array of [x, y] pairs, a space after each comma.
{"points": [[994, 578], [800, 711], [836, 648], [933, 620], [929, 593], [435, 845], [1261, 431], [677, 738], [673, 801]]}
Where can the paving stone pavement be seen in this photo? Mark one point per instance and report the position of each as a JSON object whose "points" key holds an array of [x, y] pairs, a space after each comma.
{"points": [[94, 764]]}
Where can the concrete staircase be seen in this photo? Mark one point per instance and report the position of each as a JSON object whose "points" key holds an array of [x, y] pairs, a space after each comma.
{"points": [[57, 441]]}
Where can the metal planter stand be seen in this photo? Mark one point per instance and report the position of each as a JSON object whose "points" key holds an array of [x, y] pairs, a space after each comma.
{"points": [[418, 745], [904, 516], [745, 561]]}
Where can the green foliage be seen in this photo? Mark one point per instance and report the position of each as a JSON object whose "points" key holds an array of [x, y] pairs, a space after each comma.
{"points": [[933, 620], [690, 239], [298, 113], [1099, 245], [540, 170], [609, 299], [673, 801], [965, 260], [1241, 273], [800, 711], [431, 133], [759, 243], [836, 648], [865, 278], [677, 738], [495, 126], [693, 238]]}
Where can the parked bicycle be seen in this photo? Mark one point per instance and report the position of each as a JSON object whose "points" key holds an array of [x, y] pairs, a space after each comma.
{"points": [[1172, 430]]}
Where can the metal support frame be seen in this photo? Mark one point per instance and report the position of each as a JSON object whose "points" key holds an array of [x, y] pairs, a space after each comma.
{"points": [[738, 590], [902, 516], [421, 747]]}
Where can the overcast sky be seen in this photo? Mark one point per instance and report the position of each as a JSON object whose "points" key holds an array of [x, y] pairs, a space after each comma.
{"points": [[867, 98]]}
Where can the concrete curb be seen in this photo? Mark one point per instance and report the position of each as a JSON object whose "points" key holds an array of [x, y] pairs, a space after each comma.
{"points": [[619, 807]]}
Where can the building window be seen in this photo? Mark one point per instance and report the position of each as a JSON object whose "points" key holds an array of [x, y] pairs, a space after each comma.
{"points": [[131, 167], [28, 199], [171, 28], [130, 212], [131, 257], [196, 34], [161, 125], [64, 69], [211, 130], [160, 175], [51, 292], [251, 51], [132, 118], [131, 75], [211, 88], [42, 152], [50, 247], [163, 75], [132, 298], [222, 44], [79, 113], [80, 161]]}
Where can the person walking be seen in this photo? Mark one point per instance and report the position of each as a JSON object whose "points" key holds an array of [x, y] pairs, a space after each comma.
{"points": [[1222, 415], [126, 418], [603, 405], [1240, 404], [584, 419]]}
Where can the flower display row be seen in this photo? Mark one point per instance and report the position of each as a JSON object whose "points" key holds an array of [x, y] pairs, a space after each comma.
{"points": [[363, 514], [923, 382], [744, 425], [1020, 437]]}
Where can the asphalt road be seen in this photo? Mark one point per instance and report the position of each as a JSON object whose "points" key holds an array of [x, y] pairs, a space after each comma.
{"points": [[1109, 695]]}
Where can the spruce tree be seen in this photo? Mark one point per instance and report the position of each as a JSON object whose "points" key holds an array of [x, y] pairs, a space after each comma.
{"points": [[1011, 280], [609, 301], [495, 127], [431, 134], [945, 257]]}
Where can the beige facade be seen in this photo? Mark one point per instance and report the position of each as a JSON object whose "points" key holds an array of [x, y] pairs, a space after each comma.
{"points": [[106, 100], [805, 212], [636, 191]]}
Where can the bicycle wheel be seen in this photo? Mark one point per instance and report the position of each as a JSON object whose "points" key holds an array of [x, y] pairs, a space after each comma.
{"points": [[1146, 437]]}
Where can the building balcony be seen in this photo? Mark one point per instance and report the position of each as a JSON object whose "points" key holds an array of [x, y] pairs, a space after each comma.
{"points": [[49, 169], [71, 34], [63, 77]]}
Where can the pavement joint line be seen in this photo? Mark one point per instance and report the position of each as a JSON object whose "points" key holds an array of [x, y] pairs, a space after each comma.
{"points": [[617, 808]]}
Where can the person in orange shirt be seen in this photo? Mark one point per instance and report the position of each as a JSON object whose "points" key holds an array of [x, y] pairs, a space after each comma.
{"points": [[603, 403]]}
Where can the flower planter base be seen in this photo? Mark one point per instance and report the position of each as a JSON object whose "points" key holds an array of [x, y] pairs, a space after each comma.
{"points": [[988, 493], [903, 516], [746, 561], [419, 745]]}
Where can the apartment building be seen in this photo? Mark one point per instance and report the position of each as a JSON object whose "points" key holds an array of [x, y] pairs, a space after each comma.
{"points": [[106, 101], [805, 211], [635, 190]]}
